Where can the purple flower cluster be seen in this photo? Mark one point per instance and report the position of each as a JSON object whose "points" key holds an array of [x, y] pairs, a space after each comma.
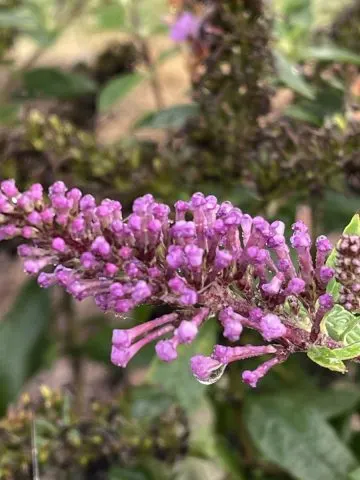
{"points": [[205, 260], [185, 27]]}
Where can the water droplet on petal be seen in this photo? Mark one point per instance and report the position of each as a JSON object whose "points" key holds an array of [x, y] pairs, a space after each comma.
{"points": [[214, 376]]}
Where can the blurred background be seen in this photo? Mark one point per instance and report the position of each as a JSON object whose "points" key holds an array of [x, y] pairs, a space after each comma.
{"points": [[259, 104]]}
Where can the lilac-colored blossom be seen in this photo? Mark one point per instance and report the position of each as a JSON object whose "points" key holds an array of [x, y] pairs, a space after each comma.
{"points": [[185, 27], [223, 265]]}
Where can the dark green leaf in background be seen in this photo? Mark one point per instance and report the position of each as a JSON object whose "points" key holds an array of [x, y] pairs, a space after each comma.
{"points": [[116, 89], [23, 341], [297, 438], [172, 117], [176, 378], [289, 75], [53, 82]]}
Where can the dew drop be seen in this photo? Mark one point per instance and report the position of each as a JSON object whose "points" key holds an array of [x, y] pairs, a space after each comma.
{"points": [[214, 376]]}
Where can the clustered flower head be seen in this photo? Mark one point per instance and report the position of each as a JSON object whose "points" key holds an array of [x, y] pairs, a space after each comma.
{"points": [[207, 261], [348, 271]]}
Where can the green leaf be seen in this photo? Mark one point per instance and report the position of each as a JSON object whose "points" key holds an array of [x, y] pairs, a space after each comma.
{"points": [[333, 358], [355, 475], [342, 325], [176, 378], [325, 357], [23, 340], [330, 402], [347, 353], [116, 89], [331, 53], [172, 117], [354, 226], [289, 75], [149, 402], [97, 346], [111, 17], [301, 113], [19, 18], [297, 438], [53, 82]]}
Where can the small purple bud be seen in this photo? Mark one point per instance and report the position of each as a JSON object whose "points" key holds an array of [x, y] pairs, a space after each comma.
{"points": [[223, 259], [74, 194], [87, 203], [326, 274], [233, 218], [28, 232], [124, 306], [58, 244], [232, 330], [278, 227], [34, 218], [101, 246], [111, 269], [296, 286], [141, 292], [47, 215], [188, 297], [250, 378], [78, 225], [125, 253], [183, 229], [121, 338], [117, 290], [323, 244], [177, 285], [194, 255], [57, 188], [36, 192], [326, 301], [256, 314], [135, 222], [271, 327], [187, 331], [8, 187], [154, 226], [166, 351], [88, 260], [154, 272], [202, 367], [46, 280], [300, 239], [120, 356], [60, 202], [175, 256], [274, 286]]}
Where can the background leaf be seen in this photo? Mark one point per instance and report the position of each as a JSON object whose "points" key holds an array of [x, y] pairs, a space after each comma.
{"points": [[111, 17], [172, 117], [53, 82], [176, 378], [297, 438], [23, 340], [288, 74], [331, 53], [116, 89]]}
